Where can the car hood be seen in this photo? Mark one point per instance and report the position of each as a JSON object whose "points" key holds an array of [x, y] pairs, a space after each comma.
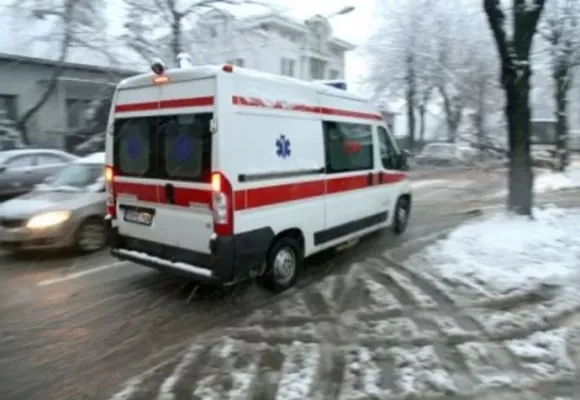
{"points": [[41, 201]]}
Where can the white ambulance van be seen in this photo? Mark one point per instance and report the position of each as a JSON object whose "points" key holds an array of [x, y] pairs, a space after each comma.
{"points": [[223, 173]]}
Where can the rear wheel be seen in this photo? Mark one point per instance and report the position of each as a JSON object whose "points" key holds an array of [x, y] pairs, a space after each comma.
{"points": [[402, 213], [284, 263], [91, 235]]}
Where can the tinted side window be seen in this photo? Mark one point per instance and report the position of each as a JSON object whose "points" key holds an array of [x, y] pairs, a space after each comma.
{"points": [[20, 162], [134, 148], [388, 151], [349, 147], [186, 143]]}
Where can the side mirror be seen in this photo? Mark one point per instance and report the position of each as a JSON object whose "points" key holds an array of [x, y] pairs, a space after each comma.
{"points": [[403, 161], [2, 168]]}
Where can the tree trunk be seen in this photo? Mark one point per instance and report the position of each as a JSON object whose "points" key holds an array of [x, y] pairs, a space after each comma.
{"points": [[422, 126], [562, 79], [410, 98], [516, 72], [520, 176], [453, 114], [176, 39], [22, 123]]}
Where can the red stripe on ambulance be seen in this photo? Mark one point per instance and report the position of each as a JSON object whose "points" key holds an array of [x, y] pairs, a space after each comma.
{"points": [[282, 105], [206, 101], [257, 197]]}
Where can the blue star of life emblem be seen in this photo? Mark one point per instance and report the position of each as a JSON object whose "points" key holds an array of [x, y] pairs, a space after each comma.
{"points": [[283, 147]]}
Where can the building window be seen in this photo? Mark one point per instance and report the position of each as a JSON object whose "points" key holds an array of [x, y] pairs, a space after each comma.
{"points": [[317, 68], [349, 147], [287, 66], [76, 110], [236, 61], [333, 74], [8, 107]]}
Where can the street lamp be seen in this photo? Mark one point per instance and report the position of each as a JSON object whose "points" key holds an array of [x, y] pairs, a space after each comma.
{"points": [[342, 11]]}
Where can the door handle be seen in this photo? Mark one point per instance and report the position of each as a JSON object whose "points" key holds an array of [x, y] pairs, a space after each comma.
{"points": [[170, 193], [370, 179]]}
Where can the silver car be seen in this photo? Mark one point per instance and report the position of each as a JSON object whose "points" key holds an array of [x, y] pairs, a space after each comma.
{"points": [[21, 169], [66, 210]]}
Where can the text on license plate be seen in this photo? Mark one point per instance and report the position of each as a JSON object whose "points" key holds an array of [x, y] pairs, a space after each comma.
{"points": [[138, 217]]}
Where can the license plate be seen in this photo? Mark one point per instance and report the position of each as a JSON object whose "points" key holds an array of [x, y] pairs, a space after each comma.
{"points": [[138, 217]]}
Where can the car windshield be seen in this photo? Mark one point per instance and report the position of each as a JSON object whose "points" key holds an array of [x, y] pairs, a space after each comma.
{"points": [[77, 176]]}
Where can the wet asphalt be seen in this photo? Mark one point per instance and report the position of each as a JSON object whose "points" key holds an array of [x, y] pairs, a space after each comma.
{"points": [[78, 327]]}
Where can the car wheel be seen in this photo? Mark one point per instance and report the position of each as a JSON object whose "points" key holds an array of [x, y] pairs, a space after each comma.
{"points": [[284, 263], [91, 235], [402, 214]]}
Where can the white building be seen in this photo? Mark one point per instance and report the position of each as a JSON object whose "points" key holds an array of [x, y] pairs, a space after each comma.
{"points": [[272, 43]]}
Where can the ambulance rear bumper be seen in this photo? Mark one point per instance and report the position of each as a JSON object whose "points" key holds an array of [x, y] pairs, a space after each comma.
{"points": [[148, 260], [230, 258]]}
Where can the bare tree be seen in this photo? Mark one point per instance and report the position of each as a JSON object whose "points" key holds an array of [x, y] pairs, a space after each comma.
{"points": [[560, 28], [514, 50], [70, 24], [163, 27], [398, 55]]}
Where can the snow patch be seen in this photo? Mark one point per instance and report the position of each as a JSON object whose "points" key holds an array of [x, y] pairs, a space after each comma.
{"points": [[362, 376], [544, 356], [554, 181], [507, 254], [419, 372], [165, 391], [230, 372], [299, 372]]}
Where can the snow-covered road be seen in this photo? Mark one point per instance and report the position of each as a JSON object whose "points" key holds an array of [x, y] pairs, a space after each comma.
{"points": [[457, 320], [375, 331]]}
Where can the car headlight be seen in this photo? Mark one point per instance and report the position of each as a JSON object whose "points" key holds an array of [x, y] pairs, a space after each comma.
{"points": [[48, 219]]}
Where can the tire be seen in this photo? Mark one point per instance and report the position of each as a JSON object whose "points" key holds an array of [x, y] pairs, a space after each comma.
{"points": [[91, 236], [284, 262], [402, 214]]}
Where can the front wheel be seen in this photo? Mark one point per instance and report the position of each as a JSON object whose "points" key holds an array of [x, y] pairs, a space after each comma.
{"points": [[402, 213], [91, 236], [284, 263]]}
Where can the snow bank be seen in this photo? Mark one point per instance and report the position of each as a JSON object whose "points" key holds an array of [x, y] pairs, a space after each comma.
{"points": [[506, 254], [553, 181]]}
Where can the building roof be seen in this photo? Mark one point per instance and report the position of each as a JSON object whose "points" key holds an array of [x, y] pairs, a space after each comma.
{"points": [[293, 24], [13, 58]]}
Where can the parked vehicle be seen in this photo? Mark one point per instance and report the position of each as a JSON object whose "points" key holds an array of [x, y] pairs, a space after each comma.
{"points": [[448, 154], [92, 145], [66, 210], [21, 169], [208, 177]]}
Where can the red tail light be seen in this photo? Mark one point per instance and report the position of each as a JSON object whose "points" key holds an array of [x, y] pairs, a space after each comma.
{"points": [[109, 177], [222, 204]]}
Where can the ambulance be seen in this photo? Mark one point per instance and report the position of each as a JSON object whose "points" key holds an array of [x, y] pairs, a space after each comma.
{"points": [[223, 173]]}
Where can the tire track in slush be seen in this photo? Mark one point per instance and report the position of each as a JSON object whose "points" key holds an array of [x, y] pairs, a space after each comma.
{"points": [[375, 330]]}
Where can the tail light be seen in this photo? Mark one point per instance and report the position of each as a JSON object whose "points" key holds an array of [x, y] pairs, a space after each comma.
{"points": [[109, 176], [222, 204]]}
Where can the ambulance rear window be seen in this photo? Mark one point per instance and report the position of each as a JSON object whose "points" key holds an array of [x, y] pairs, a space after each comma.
{"points": [[172, 147], [133, 146]]}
